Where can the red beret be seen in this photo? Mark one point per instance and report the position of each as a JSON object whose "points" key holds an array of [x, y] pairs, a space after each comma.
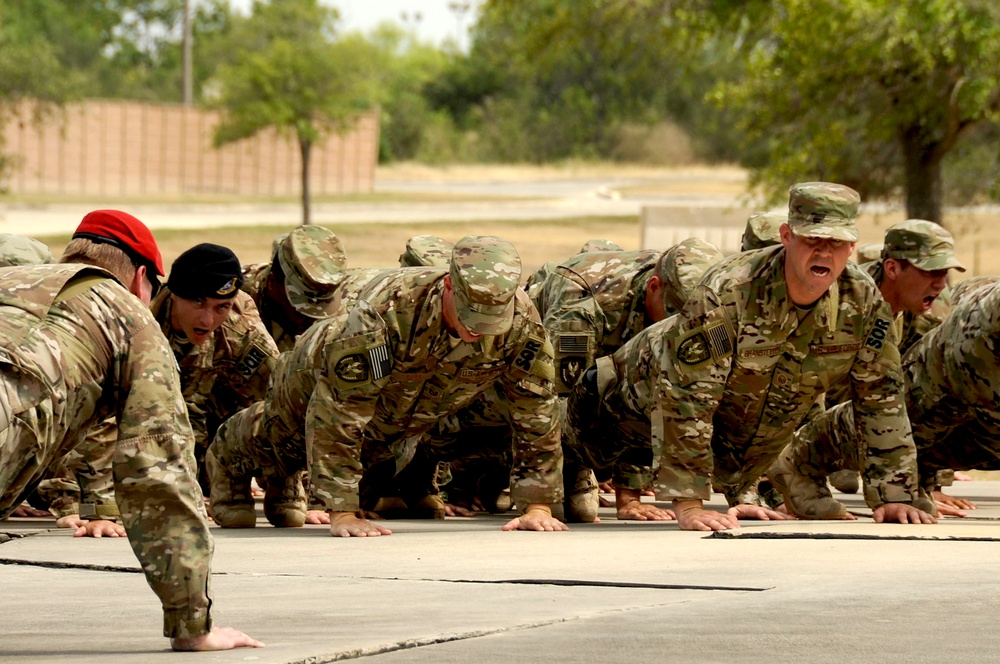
{"points": [[123, 231]]}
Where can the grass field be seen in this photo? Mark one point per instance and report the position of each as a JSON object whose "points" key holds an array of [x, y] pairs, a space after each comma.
{"points": [[977, 230]]}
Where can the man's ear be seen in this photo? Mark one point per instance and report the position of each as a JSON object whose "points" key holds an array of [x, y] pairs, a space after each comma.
{"points": [[137, 281]]}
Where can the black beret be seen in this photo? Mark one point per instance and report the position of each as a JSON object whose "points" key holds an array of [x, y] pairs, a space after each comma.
{"points": [[206, 270]]}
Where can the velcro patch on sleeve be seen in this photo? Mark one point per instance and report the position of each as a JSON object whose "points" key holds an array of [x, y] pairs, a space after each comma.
{"points": [[251, 361], [526, 357], [879, 335]]}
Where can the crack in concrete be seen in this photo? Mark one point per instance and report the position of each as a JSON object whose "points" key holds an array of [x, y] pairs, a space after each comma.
{"points": [[51, 564], [407, 644], [583, 583]]}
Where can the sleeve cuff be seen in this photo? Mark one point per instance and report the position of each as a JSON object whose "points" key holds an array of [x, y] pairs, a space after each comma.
{"points": [[179, 624]]}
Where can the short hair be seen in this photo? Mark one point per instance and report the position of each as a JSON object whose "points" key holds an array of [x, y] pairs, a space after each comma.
{"points": [[107, 256]]}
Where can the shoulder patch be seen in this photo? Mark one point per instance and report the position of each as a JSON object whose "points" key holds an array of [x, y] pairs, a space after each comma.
{"points": [[525, 359], [711, 342], [877, 337], [693, 349], [251, 361]]}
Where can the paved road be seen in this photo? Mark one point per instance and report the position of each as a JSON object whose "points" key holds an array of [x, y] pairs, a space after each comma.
{"points": [[463, 591], [501, 201]]}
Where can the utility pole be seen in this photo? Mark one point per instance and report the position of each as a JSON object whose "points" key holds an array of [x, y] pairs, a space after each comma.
{"points": [[186, 48], [460, 9]]}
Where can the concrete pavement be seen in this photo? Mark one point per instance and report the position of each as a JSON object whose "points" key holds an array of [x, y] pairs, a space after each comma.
{"points": [[463, 591]]}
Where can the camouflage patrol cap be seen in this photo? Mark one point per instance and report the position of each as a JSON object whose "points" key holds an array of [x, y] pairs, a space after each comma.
{"points": [[682, 266], [763, 230], [22, 250], [599, 245], [871, 251], [312, 259], [276, 243], [485, 273], [823, 210], [924, 244], [426, 250]]}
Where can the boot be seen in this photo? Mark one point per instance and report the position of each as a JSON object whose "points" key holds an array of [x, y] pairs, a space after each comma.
{"points": [[285, 500], [844, 481], [232, 503], [582, 499], [805, 497], [429, 507]]}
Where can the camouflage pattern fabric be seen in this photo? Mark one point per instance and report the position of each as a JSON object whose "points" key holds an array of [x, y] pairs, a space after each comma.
{"points": [[591, 304], [724, 384], [426, 251], [357, 383], [66, 364], [599, 245], [763, 229], [22, 250], [312, 259], [823, 209], [485, 272], [255, 285], [868, 253], [224, 374], [953, 385], [925, 244]]}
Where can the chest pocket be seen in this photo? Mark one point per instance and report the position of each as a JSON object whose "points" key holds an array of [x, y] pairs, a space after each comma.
{"points": [[828, 365]]}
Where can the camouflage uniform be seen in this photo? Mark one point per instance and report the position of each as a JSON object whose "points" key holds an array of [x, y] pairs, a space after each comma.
{"points": [[75, 346], [723, 384], [954, 388], [226, 373], [535, 281], [426, 251], [762, 230], [357, 383], [830, 441], [311, 262], [22, 250]]}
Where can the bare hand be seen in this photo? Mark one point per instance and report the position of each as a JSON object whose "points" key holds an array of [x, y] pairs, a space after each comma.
{"points": [[961, 477], [901, 513], [692, 516], [70, 521], [26, 511], [346, 524], [761, 513], [100, 528], [451, 509], [317, 517], [538, 518], [220, 638], [943, 500], [631, 507]]}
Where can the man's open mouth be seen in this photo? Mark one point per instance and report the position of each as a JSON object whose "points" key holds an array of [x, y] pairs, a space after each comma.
{"points": [[820, 270]]}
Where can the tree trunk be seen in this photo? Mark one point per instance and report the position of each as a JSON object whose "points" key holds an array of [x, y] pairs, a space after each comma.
{"points": [[922, 168], [305, 147]]}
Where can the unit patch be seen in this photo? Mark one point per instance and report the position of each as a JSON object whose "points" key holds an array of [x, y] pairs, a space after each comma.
{"points": [[694, 349], [878, 334], [352, 368], [251, 362], [570, 370]]}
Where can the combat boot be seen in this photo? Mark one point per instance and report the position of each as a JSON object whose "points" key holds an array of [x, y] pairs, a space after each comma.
{"points": [[844, 481], [805, 497], [285, 500], [430, 506], [582, 499], [231, 504]]}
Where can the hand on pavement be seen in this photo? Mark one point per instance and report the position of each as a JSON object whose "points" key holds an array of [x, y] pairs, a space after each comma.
{"points": [[944, 502], [317, 517], [99, 528], [536, 518], [761, 513], [630, 506], [901, 513], [347, 524], [692, 516]]}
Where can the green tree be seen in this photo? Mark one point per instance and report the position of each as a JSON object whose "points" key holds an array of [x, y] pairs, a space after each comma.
{"points": [[871, 93], [288, 73]]}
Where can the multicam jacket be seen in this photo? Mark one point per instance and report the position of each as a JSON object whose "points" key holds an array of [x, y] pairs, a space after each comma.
{"points": [[953, 386], [726, 381], [591, 305], [75, 347], [389, 369]]}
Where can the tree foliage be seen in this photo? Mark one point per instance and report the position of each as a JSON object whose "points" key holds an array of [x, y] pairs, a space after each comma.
{"points": [[871, 93], [288, 73]]}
